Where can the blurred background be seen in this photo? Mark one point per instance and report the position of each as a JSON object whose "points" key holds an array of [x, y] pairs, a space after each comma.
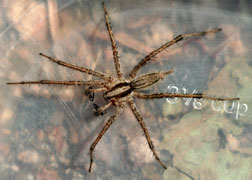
{"points": [[46, 131]]}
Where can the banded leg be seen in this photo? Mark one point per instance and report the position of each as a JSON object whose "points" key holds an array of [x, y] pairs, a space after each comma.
{"points": [[146, 133], [171, 95], [166, 45], [67, 83], [113, 43], [81, 69], [97, 90], [112, 119]]}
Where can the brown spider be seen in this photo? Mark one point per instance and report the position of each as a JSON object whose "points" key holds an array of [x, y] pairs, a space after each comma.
{"points": [[121, 90]]}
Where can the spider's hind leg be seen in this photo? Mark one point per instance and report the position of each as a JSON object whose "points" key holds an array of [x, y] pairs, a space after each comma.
{"points": [[166, 45]]}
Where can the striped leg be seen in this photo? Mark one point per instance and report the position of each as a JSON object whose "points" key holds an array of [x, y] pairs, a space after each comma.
{"points": [[113, 43], [146, 133], [171, 95], [166, 45], [112, 119]]}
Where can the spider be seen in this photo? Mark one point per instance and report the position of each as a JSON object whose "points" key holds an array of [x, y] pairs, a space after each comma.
{"points": [[121, 91]]}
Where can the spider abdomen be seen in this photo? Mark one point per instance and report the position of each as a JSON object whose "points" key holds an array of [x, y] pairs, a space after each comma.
{"points": [[148, 80], [120, 91]]}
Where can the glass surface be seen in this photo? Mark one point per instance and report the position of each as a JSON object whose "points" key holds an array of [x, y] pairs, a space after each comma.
{"points": [[46, 131]]}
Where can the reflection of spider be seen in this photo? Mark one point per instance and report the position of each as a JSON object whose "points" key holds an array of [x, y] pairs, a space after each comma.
{"points": [[122, 90]]}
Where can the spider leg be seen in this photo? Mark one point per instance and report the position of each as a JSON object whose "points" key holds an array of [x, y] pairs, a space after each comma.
{"points": [[67, 83], [166, 45], [113, 43], [172, 95], [146, 133], [110, 121], [96, 90], [81, 69]]}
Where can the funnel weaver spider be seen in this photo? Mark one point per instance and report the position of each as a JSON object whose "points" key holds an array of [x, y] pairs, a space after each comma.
{"points": [[121, 91]]}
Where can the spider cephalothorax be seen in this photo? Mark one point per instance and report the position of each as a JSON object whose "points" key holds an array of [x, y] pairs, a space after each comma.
{"points": [[121, 91]]}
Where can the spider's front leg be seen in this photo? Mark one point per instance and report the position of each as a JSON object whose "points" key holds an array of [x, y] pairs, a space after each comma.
{"points": [[113, 43], [63, 83], [100, 75]]}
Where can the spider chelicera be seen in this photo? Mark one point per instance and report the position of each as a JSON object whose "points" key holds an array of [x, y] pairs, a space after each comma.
{"points": [[121, 91]]}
